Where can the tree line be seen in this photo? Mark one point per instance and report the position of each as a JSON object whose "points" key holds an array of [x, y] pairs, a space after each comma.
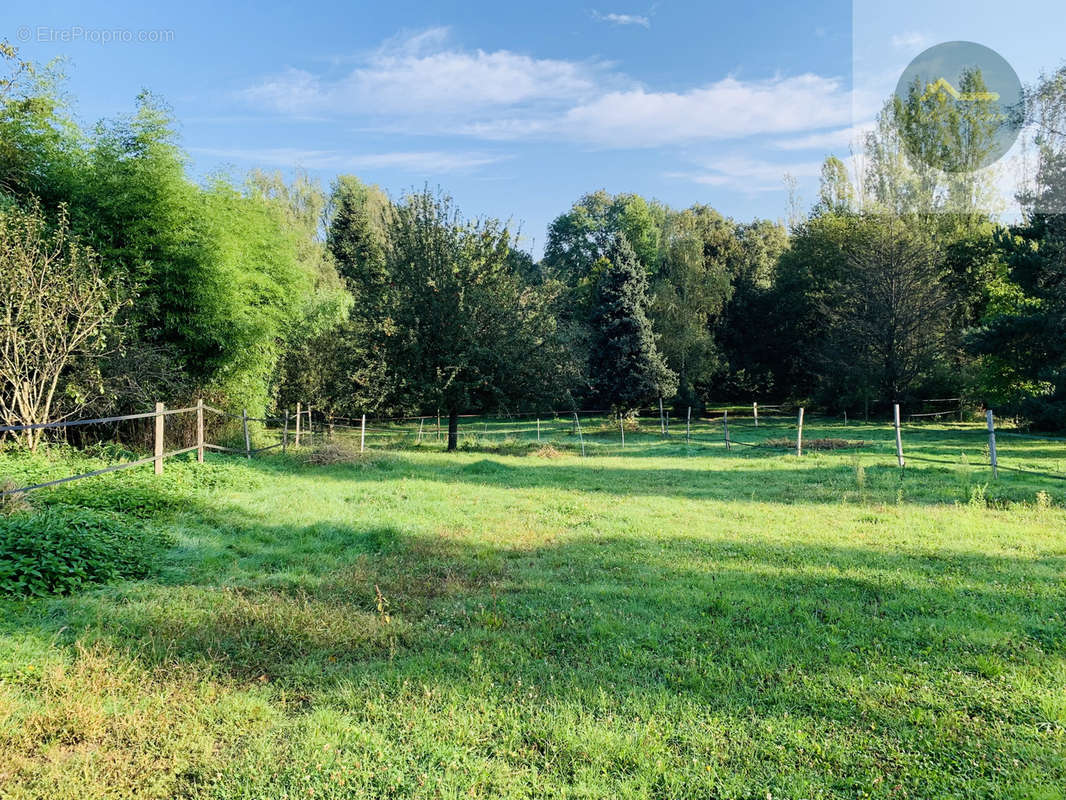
{"points": [[125, 281]]}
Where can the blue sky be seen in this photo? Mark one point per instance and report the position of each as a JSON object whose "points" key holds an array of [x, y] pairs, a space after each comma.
{"points": [[515, 108]]}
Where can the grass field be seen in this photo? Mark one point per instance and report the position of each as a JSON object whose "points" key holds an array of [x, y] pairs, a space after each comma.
{"points": [[670, 620]]}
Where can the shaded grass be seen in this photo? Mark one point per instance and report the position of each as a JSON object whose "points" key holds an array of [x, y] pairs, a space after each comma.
{"points": [[647, 624]]}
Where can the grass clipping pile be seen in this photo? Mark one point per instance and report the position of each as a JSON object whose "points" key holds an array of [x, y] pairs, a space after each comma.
{"points": [[784, 443], [331, 452]]}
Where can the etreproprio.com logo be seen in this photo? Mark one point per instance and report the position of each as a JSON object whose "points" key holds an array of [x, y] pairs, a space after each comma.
{"points": [[960, 107], [79, 33]]}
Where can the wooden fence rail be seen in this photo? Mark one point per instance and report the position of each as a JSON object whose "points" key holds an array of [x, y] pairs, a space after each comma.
{"points": [[159, 454], [304, 430]]}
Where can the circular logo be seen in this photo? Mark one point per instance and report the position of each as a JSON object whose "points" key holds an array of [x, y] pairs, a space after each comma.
{"points": [[959, 107]]}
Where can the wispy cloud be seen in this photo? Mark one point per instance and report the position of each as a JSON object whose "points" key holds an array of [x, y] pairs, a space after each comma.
{"points": [[837, 139], [421, 162], [749, 175], [420, 74], [727, 109], [623, 19], [911, 40], [422, 83]]}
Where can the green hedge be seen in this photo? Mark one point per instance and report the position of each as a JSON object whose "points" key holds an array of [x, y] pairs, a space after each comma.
{"points": [[60, 550]]}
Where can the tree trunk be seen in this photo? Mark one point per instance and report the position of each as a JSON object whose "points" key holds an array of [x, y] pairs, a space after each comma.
{"points": [[453, 429]]}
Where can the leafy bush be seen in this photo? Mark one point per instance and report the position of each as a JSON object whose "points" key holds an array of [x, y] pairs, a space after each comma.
{"points": [[60, 550]]}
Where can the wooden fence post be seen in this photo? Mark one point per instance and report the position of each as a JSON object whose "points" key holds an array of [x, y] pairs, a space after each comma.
{"points": [[688, 426], [899, 436], [662, 418], [285, 433], [755, 413], [845, 418], [799, 434], [362, 435], [159, 419], [622, 427], [580, 435], [247, 438], [298, 415], [725, 429], [200, 430], [421, 422], [992, 443], [538, 430], [310, 428]]}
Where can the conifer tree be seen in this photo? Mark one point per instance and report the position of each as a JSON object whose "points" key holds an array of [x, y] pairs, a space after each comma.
{"points": [[626, 367]]}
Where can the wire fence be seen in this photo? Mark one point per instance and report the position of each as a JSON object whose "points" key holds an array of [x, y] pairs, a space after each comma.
{"points": [[160, 454], [758, 430], [755, 430]]}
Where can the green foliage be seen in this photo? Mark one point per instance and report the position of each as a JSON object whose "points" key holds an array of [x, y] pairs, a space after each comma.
{"points": [[690, 290], [339, 367], [909, 137], [40, 146], [462, 329], [581, 236], [356, 236], [836, 195], [1022, 338], [889, 319], [746, 331], [626, 367], [224, 280], [260, 293], [62, 550]]}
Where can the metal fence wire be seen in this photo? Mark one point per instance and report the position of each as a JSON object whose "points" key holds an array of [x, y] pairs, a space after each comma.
{"points": [[773, 429]]}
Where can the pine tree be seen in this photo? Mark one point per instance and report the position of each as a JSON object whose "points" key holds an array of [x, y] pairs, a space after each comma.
{"points": [[625, 365]]}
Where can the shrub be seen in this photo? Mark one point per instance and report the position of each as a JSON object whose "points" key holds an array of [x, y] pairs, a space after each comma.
{"points": [[61, 550]]}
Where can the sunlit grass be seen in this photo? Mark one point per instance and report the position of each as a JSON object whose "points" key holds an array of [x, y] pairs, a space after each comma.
{"points": [[671, 620]]}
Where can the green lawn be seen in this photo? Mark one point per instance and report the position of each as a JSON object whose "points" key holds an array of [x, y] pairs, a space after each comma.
{"points": [[670, 620]]}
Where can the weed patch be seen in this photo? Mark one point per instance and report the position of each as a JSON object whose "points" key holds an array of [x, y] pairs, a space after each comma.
{"points": [[59, 550]]}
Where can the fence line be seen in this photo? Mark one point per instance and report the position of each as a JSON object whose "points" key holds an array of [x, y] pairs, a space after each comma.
{"points": [[113, 468], [159, 456], [769, 422]]}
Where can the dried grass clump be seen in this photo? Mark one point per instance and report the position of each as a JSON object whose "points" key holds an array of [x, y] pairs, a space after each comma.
{"points": [[12, 503], [547, 451], [333, 452]]}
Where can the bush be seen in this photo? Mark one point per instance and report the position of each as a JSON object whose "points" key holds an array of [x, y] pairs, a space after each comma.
{"points": [[61, 550]]}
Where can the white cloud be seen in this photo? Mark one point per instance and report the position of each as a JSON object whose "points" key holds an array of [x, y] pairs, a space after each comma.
{"points": [[748, 174], [840, 139], [623, 19], [419, 74], [911, 40], [421, 84], [422, 162], [727, 109]]}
